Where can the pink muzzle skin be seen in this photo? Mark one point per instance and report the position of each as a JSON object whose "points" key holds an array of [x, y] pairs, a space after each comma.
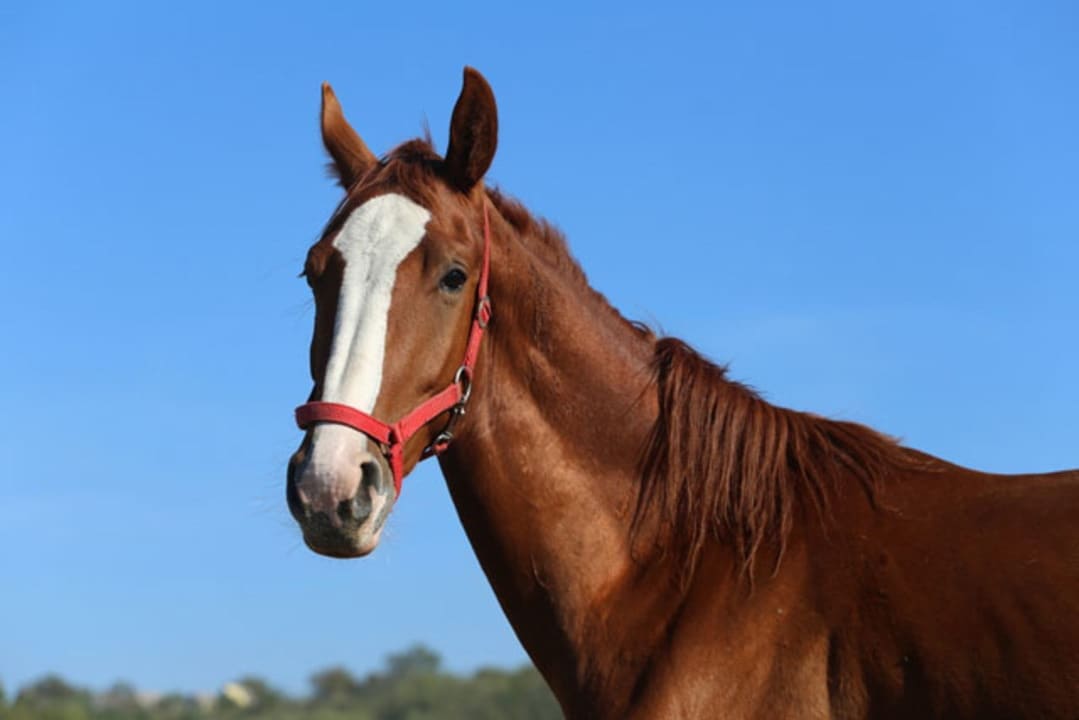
{"points": [[454, 398]]}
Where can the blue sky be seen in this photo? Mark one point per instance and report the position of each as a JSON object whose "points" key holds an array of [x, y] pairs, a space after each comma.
{"points": [[869, 212]]}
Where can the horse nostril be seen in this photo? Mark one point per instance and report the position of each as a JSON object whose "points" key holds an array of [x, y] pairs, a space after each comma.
{"points": [[358, 507], [371, 477], [355, 510], [294, 496]]}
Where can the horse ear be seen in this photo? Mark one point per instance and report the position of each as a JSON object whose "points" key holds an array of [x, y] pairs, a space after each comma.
{"points": [[473, 133], [351, 157]]}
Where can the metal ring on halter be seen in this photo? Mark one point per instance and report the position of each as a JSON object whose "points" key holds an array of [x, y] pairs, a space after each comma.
{"points": [[463, 378]]}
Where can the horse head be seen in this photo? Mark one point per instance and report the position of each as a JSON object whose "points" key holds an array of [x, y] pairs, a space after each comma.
{"points": [[399, 281]]}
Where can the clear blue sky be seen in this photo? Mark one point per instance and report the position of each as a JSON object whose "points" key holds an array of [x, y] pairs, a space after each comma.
{"points": [[870, 212]]}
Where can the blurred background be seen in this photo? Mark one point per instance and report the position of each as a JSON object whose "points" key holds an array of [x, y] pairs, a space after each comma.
{"points": [[868, 212]]}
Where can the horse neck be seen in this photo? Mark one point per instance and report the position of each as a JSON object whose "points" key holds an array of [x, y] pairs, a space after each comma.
{"points": [[544, 474]]}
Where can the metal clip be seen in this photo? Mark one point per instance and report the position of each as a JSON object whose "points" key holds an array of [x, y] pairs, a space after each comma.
{"points": [[463, 378]]}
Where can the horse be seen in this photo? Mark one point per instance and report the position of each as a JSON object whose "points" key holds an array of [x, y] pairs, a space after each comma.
{"points": [[664, 542]]}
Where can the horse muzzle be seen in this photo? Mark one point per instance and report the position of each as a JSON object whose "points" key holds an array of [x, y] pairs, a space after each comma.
{"points": [[339, 492]]}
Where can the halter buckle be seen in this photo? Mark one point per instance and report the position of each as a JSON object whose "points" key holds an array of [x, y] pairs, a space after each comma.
{"points": [[483, 311]]}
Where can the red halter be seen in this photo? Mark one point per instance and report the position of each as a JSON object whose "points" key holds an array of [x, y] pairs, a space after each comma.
{"points": [[392, 438]]}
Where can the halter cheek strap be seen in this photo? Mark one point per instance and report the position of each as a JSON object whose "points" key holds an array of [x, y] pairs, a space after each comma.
{"points": [[392, 437]]}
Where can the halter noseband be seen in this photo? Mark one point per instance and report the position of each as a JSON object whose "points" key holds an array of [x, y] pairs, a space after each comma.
{"points": [[392, 438]]}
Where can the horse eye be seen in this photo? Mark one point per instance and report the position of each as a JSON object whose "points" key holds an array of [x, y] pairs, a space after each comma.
{"points": [[454, 280]]}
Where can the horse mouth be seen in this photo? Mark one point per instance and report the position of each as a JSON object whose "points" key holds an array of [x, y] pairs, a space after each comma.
{"points": [[344, 540], [341, 550]]}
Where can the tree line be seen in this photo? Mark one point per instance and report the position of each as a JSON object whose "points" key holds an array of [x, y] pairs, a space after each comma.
{"points": [[411, 686]]}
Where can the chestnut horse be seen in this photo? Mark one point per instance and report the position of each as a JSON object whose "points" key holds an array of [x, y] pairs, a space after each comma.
{"points": [[665, 543]]}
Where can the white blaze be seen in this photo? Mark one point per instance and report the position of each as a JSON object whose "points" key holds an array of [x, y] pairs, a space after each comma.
{"points": [[374, 241]]}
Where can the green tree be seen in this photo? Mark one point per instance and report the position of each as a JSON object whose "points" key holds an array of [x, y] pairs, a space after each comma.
{"points": [[120, 700], [411, 686], [334, 687], [264, 696], [51, 688], [417, 660], [51, 698], [175, 706]]}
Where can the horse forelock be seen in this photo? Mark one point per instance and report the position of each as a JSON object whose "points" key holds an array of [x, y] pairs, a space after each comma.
{"points": [[410, 169]]}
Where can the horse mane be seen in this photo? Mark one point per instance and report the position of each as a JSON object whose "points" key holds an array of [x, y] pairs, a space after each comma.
{"points": [[542, 237], [547, 244], [722, 463]]}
